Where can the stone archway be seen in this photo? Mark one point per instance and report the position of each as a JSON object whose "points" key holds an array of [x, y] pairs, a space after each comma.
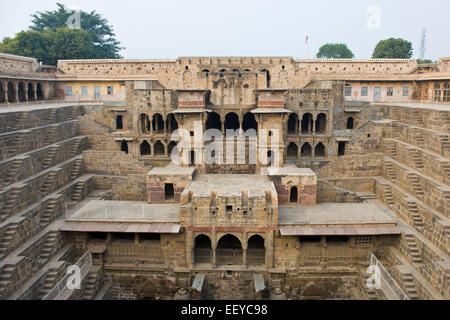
{"points": [[229, 251], [202, 249], [256, 251]]}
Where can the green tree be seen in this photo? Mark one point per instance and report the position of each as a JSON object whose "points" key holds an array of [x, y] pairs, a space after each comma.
{"points": [[393, 49], [100, 32], [335, 50], [425, 61], [50, 45]]}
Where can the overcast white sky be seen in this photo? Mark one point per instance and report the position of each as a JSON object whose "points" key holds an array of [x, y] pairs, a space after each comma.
{"points": [[170, 29]]}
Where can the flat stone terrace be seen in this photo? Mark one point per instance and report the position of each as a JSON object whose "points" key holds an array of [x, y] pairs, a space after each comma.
{"points": [[124, 211], [230, 185], [28, 107], [438, 106], [326, 214]]}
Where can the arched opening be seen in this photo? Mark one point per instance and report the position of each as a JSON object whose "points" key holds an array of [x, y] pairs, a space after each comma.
{"points": [[232, 122], [249, 122], [307, 123], [172, 123], [256, 252], [446, 97], [350, 123], [341, 148], [267, 77], [321, 123], [205, 73], [222, 73], [124, 146], [172, 148], [213, 122], [2, 94], [320, 150], [11, 92], [30, 92], [292, 151], [202, 249], [437, 92], [229, 251], [270, 159], [39, 92], [21, 92], [146, 150], [192, 158], [293, 195], [119, 122], [158, 123], [306, 151], [169, 192], [159, 149], [144, 123], [293, 123]]}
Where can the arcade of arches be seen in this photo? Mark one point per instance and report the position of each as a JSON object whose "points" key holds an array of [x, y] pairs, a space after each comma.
{"points": [[230, 251], [21, 91]]}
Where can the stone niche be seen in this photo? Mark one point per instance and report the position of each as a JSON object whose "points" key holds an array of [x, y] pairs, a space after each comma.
{"points": [[165, 185], [295, 185]]}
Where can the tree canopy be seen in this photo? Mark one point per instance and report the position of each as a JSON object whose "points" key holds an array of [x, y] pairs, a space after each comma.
{"points": [[50, 39], [394, 49], [335, 50]]}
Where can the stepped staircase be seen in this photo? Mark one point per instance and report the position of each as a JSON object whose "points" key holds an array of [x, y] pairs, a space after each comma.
{"points": [[417, 115], [11, 201], [73, 113], [50, 136], [446, 168], [395, 114], [18, 124], [47, 249], [76, 168], [418, 137], [387, 196], [75, 147], [73, 129], [104, 127], [14, 150], [49, 182], [415, 184], [396, 130], [416, 156], [51, 280], [410, 286], [78, 194], [417, 218], [412, 248], [50, 155], [5, 279], [445, 144], [49, 213], [90, 289], [51, 118], [13, 172], [390, 171], [392, 148], [370, 294], [8, 238]]}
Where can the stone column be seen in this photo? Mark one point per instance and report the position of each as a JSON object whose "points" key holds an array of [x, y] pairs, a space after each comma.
{"points": [[244, 249], [190, 246], [16, 91], [214, 248], [269, 249], [35, 91]]}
